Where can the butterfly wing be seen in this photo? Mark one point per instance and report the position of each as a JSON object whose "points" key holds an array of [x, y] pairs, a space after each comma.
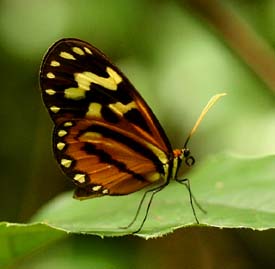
{"points": [[106, 137]]}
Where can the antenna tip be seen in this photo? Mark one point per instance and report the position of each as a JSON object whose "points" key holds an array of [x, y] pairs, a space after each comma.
{"points": [[221, 94]]}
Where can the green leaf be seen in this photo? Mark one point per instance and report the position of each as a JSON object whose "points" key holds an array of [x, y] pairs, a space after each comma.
{"points": [[235, 191], [39, 246], [20, 240]]}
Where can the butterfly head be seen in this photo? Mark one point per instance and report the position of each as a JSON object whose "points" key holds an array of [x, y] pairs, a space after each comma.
{"points": [[188, 159], [184, 155], [180, 155]]}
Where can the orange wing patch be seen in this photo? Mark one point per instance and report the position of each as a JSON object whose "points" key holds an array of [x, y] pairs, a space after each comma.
{"points": [[104, 162]]}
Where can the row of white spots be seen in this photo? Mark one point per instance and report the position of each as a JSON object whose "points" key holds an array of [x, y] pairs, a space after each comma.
{"points": [[68, 56], [81, 179], [77, 50], [84, 81], [61, 133], [65, 162], [61, 145]]}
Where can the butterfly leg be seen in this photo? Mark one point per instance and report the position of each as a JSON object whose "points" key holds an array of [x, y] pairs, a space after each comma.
{"points": [[192, 198], [153, 192]]}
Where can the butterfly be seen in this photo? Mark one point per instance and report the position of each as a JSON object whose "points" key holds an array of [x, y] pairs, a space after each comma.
{"points": [[106, 138]]}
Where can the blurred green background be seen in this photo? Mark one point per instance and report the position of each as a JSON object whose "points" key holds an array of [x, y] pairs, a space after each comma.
{"points": [[177, 54]]}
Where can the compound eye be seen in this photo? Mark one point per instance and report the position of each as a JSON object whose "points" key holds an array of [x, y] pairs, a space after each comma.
{"points": [[189, 161], [186, 153]]}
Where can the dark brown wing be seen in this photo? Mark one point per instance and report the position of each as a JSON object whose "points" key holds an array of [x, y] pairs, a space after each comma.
{"points": [[106, 137]]}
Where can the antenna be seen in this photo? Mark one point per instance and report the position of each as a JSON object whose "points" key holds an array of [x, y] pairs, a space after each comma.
{"points": [[210, 103]]}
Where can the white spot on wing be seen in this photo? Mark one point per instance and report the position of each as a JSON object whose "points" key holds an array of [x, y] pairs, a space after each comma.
{"points": [[60, 145], [66, 163], [80, 178], [78, 51], [55, 63], [61, 133], [50, 91], [88, 50], [50, 75], [54, 109], [105, 191], [66, 55], [96, 188]]}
